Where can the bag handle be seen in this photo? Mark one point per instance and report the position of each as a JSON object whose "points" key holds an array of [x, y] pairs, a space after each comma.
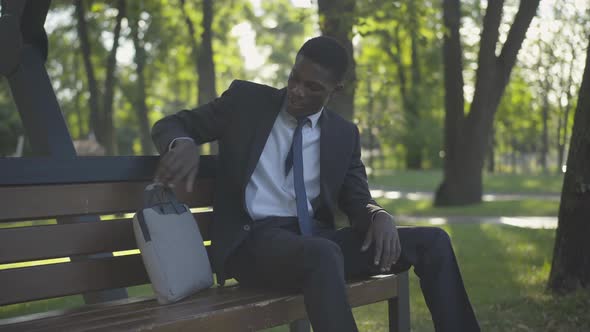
{"points": [[161, 196]]}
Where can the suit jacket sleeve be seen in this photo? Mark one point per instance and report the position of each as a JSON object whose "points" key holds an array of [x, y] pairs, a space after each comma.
{"points": [[355, 198], [204, 124]]}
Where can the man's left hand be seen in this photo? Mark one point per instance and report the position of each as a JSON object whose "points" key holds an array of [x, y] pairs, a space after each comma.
{"points": [[383, 233]]}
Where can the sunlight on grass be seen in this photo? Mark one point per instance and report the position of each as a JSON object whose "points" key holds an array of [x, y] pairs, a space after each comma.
{"points": [[505, 270], [525, 207], [428, 180]]}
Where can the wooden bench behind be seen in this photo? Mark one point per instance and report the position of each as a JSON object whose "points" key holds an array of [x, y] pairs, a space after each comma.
{"points": [[77, 239], [76, 192]]}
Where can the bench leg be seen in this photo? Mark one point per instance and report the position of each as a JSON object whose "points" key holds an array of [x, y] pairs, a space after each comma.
{"points": [[399, 307], [300, 325]]}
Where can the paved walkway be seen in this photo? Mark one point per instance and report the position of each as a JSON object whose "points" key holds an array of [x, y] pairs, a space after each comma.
{"points": [[389, 193], [524, 222]]}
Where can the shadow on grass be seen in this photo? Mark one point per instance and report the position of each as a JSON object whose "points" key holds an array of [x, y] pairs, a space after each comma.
{"points": [[504, 268], [524, 207]]}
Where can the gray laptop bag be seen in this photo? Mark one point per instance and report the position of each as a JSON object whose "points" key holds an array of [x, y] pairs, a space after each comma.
{"points": [[171, 246]]}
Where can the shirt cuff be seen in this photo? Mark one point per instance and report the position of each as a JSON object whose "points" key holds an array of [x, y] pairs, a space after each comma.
{"points": [[179, 138]]}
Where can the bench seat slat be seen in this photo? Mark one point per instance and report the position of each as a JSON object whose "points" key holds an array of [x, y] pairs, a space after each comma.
{"points": [[54, 280], [216, 309], [49, 201], [42, 242]]}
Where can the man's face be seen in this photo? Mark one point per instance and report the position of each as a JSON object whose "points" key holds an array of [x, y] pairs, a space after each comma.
{"points": [[309, 87]]}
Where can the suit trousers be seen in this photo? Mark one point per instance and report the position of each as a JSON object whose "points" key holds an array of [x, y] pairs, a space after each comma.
{"points": [[276, 256]]}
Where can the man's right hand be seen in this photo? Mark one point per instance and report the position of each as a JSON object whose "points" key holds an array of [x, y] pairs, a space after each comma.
{"points": [[179, 164]]}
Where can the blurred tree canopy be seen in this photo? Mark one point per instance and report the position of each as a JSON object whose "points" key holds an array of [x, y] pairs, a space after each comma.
{"points": [[176, 54]]}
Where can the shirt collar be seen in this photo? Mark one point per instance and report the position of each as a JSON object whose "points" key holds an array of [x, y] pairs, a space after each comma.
{"points": [[313, 118]]}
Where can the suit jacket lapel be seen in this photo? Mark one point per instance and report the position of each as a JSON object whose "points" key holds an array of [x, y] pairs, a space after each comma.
{"points": [[262, 128]]}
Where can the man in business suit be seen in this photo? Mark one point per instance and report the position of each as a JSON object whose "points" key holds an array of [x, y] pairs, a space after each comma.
{"points": [[285, 164]]}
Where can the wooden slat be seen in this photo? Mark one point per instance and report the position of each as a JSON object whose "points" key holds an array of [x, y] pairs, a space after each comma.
{"points": [[225, 309], [47, 281], [81, 170], [46, 201], [41, 242]]}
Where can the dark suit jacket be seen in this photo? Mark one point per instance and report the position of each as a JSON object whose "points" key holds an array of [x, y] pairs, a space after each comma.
{"points": [[241, 120]]}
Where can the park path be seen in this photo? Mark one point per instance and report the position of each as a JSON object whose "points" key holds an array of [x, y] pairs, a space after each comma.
{"points": [[392, 193], [524, 221]]}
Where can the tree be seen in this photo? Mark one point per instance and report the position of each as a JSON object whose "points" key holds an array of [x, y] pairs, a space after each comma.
{"points": [[409, 91], [110, 141], [203, 55], [570, 269], [141, 107], [203, 52], [101, 117], [466, 135], [93, 102], [280, 30], [399, 42], [574, 23], [337, 18]]}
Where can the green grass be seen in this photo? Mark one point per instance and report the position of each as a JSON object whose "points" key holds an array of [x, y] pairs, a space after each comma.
{"points": [[505, 271], [525, 207], [497, 183], [504, 268]]}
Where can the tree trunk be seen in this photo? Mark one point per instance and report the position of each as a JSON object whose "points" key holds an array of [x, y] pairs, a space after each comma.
{"points": [[545, 134], [491, 152], [454, 98], [110, 141], [560, 144], [95, 115], [147, 147], [370, 125], [570, 269], [414, 157], [564, 121], [336, 20], [513, 152], [565, 136], [466, 137], [205, 64], [409, 94], [545, 87], [203, 57], [77, 104]]}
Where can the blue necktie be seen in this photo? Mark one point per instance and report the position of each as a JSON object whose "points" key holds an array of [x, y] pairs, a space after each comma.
{"points": [[295, 160]]}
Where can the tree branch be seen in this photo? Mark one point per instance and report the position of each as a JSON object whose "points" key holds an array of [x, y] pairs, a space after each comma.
{"points": [[489, 37], [516, 35]]}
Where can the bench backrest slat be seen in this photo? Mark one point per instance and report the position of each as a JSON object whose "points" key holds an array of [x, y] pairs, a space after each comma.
{"points": [[54, 280], [21, 244], [46, 201]]}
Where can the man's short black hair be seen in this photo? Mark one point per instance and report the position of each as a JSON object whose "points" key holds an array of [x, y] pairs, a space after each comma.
{"points": [[328, 53]]}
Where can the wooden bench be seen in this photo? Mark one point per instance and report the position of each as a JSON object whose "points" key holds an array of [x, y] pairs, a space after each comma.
{"points": [[74, 192]]}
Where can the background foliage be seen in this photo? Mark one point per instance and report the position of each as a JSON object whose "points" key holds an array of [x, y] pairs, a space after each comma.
{"points": [[399, 102]]}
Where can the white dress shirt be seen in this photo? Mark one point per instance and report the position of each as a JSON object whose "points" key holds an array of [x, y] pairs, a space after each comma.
{"points": [[269, 192]]}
